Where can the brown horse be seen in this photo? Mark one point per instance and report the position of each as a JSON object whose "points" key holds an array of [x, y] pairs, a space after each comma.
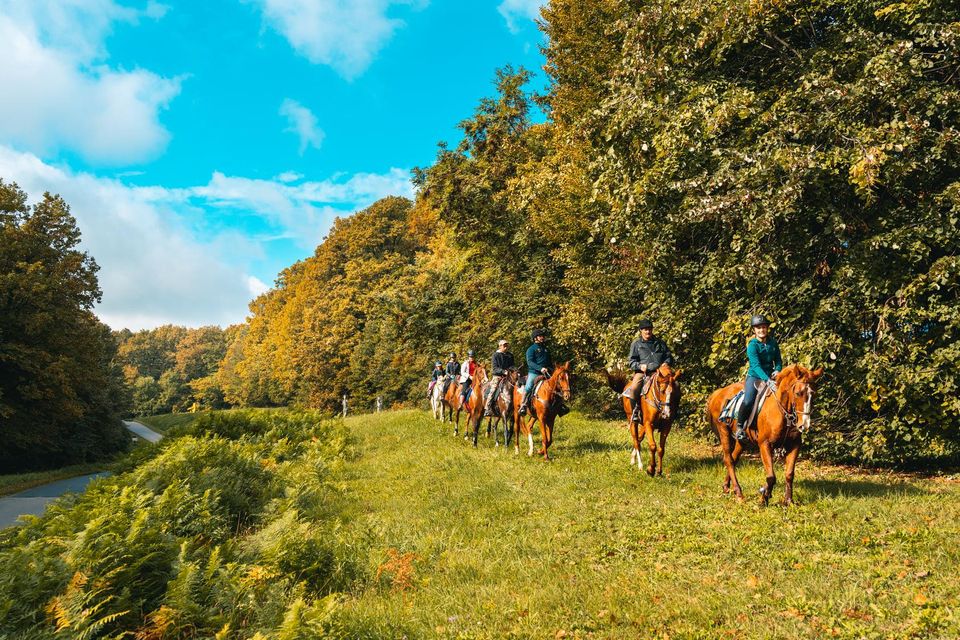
{"points": [[543, 408], [504, 405], [450, 402], [658, 409], [474, 404], [780, 423]]}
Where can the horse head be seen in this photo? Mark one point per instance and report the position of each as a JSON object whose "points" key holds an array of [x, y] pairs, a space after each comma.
{"points": [[665, 381], [798, 387], [561, 377], [480, 375]]}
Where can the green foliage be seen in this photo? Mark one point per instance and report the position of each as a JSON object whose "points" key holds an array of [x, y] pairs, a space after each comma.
{"points": [[173, 368], [233, 529], [60, 393], [702, 162]]}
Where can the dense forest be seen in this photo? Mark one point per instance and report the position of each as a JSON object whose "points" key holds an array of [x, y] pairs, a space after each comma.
{"points": [[699, 163]]}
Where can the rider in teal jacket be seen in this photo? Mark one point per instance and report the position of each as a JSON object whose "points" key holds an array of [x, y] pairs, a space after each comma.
{"points": [[539, 362]]}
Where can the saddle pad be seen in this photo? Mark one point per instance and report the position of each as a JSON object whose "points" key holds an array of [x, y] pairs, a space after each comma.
{"points": [[732, 408]]}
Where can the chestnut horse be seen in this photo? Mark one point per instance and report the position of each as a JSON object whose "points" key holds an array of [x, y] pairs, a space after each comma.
{"points": [[450, 402], [543, 408], [474, 404], [658, 409], [780, 423], [504, 405]]}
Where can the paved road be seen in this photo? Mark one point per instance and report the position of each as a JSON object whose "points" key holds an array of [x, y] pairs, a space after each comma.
{"points": [[34, 501], [142, 431]]}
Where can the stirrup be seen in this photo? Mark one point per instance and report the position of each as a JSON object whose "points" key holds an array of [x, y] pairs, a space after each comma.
{"points": [[741, 434]]}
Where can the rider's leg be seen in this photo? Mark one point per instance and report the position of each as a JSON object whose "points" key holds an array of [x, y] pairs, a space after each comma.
{"points": [[527, 393], [494, 392], [749, 397], [633, 385]]}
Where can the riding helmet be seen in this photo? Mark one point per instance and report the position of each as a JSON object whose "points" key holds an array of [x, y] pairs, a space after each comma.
{"points": [[453, 356], [470, 353], [438, 364], [645, 324], [757, 321], [537, 333]]}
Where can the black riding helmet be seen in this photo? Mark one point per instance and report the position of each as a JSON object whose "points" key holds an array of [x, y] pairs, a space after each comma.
{"points": [[757, 321], [537, 333], [453, 356], [470, 353], [645, 324]]}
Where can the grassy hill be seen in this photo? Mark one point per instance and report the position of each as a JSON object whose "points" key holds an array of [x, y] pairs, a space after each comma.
{"points": [[586, 546], [278, 525]]}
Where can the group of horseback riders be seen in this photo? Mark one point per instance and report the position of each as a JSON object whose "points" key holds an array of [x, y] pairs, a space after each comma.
{"points": [[647, 354], [538, 360]]}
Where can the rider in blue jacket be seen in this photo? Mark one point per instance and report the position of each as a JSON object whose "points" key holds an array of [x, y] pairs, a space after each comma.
{"points": [[539, 362], [763, 354]]}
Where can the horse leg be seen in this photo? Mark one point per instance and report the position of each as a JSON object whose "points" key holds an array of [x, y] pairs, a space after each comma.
{"points": [[635, 436], [731, 481], [652, 444], [546, 428], [766, 454], [664, 431], [789, 464]]}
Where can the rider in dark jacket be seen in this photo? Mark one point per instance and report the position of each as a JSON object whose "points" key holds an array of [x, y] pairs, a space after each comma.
{"points": [[451, 371], [539, 363], [502, 364], [647, 353]]}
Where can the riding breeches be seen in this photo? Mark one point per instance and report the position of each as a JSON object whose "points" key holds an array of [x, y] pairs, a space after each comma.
{"points": [[749, 397]]}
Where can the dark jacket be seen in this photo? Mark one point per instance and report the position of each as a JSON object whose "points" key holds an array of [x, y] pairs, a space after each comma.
{"points": [[452, 368], [502, 360], [437, 373], [652, 353], [538, 357]]}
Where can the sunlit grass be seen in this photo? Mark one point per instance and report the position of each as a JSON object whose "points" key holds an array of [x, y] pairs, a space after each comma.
{"points": [[586, 546]]}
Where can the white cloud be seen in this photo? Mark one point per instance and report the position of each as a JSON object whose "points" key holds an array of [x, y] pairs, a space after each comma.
{"points": [[515, 10], [289, 176], [344, 34], [256, 286], [60, 95], [305, 210], [302, 122], [153, 270]]}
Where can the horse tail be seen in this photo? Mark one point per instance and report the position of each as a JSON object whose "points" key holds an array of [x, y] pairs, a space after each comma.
{"points": [[617, 380]]}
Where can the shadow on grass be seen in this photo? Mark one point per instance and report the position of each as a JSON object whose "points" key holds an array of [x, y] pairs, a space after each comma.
{"points": [[686, 464], [818, 488], [596, 446]]}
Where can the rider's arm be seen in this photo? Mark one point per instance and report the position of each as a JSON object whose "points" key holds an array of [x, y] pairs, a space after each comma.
{"points": [[777, 360], [667, 356], [637, 356]]}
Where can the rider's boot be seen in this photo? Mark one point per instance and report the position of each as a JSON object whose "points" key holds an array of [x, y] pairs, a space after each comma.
{"points": [[741, 433], [524, 405]]}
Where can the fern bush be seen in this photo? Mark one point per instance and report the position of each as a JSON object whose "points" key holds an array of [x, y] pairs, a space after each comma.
{"points": [[228, 529]]}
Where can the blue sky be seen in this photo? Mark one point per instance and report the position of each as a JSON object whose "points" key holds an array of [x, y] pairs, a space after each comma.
{"points": [[204, 146]]}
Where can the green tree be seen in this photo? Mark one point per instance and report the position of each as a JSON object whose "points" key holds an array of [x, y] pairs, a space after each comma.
{"points": [[60, 392]]}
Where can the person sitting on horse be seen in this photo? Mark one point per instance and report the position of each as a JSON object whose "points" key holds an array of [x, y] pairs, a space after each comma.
{"points": [[502, 364], [647, 353], [763, 354], [466, 375], [451, 371], [436, 375], [539, 363]]}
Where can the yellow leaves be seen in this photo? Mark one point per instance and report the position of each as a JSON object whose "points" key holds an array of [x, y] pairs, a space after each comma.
{"points": [[920, 599], [865, 173]]}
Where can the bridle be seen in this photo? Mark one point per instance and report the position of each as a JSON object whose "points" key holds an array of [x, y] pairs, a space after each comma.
{"points": [[660, 404], [794, 418]]}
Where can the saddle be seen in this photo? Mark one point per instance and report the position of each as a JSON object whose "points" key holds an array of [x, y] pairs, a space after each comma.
{"points": [[732, 407]]}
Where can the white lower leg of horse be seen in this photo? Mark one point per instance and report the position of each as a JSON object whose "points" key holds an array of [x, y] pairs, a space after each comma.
{"points": [[530, 440]]}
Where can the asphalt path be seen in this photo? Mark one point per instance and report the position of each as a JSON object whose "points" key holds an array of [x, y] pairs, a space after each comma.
{"points": [[34, 501]]}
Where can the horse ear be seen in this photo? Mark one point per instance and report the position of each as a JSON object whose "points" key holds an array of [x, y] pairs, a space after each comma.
{"points": [[816, 373], [676, 374], [566, 365]]}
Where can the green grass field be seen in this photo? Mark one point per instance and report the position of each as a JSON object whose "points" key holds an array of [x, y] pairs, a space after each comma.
{"points": [[162, 423], [485, 544]]}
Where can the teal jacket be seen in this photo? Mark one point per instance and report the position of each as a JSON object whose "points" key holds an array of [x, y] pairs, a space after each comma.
{"points": [[538, 357], [764, 358]]}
